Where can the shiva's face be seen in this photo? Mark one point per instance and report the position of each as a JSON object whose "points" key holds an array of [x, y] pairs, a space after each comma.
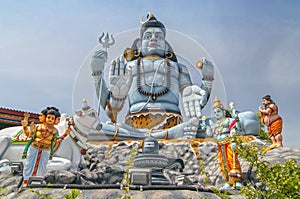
{"points": [[219, 113], [153, 42]]}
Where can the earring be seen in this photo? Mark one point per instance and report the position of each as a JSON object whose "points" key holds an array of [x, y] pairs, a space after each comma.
{"points": [[137, 53], [128, 54], [169, 55]]}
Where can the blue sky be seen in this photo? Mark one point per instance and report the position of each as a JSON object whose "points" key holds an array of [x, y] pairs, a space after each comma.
{"points": [[255, 45]]}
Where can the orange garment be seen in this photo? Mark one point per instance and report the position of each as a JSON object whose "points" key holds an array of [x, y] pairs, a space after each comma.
{"points": [[225, 153], [275, 127], [153, 120]]}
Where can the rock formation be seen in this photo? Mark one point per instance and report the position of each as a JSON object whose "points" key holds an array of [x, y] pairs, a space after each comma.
{"points": [[105, 164]]}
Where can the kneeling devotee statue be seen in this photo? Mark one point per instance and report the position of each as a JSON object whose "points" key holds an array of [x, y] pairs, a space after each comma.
{"points": [[270, 118]]}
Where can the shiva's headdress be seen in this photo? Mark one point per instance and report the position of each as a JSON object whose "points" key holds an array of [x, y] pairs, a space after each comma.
{"points": [[151, 21]]}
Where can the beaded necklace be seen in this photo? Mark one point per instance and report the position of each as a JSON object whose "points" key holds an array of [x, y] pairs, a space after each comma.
{"points": [[155, 94]]}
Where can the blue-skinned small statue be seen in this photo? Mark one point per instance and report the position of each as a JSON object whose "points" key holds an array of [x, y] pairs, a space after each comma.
{"points": [[150, 77], [226, 126]]}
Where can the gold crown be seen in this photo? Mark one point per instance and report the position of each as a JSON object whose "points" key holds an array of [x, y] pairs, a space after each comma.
{"points": [[217, 103]]}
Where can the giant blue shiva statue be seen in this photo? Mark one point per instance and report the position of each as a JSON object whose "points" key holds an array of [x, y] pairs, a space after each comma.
{"points": [[150, 77]]}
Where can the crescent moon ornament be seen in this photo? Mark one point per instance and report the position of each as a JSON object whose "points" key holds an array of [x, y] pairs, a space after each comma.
{"points": [[149, 16]]}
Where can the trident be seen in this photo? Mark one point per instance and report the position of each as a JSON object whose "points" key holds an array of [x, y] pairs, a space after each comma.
{"points": [[105, 44]]}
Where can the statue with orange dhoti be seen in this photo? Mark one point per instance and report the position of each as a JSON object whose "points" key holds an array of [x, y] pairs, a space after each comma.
{"points": [[270, 118], [227, 125]]}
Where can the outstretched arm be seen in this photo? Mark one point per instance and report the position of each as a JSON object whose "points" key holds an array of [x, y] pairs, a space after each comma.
{"points": [[120, 79], [235, 115], [61, 138], [28, 132], [207, 70], [97, 66], [195, 97]]}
